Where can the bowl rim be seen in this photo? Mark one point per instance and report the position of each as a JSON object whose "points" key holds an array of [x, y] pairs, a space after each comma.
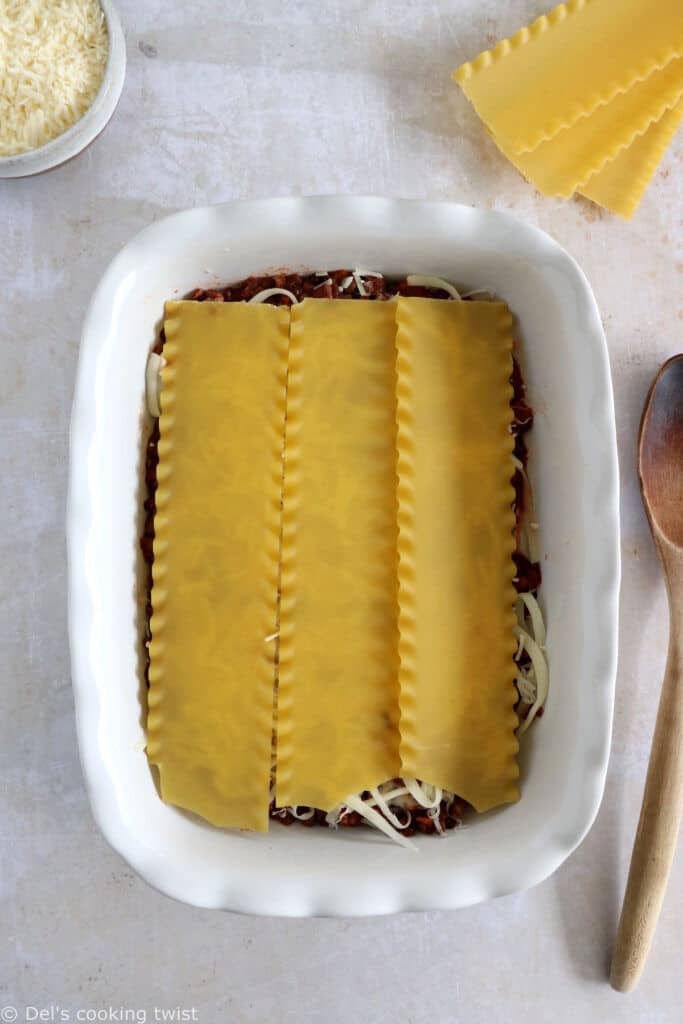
{"points": [[316, 895], [77, 137]]}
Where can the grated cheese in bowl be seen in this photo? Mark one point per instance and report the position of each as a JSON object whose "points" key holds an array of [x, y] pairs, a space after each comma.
{"points": [[53, 57]]}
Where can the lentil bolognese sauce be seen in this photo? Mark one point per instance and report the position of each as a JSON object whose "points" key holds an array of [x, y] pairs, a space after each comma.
{"points": [[400, 806]]}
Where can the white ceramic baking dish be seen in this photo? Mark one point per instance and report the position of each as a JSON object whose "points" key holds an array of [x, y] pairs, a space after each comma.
{"points": [[296, 871]]}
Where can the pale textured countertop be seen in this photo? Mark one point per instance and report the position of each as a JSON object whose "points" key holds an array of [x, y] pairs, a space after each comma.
{"points": [[325, 97]]}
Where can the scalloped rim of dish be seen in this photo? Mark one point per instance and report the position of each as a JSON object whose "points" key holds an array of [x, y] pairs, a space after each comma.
{"points": [[303, 872], [76, 138]]}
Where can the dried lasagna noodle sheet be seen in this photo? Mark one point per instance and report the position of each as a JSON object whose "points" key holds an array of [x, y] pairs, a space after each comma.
{"points": [[456, 595], [566, 98], [621, 183], [338, 688], [567, 161], [216, 554], [567, 63]]}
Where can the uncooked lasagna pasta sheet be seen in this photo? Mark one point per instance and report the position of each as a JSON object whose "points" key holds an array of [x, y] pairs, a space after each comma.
{"points": [[216, 555], [585, 98], [565, 64], [456, 594], [338, 677]]}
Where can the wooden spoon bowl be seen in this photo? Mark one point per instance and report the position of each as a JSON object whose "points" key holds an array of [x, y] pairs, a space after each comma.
{"points": [[660, 462]]}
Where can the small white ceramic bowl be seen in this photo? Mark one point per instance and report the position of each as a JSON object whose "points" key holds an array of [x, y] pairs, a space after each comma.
{"points": [[75, 139]]}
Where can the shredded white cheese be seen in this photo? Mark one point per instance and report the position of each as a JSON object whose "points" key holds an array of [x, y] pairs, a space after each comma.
{"points": [[155, 364], [423, 793], [435, 283], [528, 540], [373, 817], [301, 813], [536, 616], [382, 802], [434, 814], [540, 672], [52, 60], [533, 680], [488, 292], [359, 284], [268, 293], [358, 276]]}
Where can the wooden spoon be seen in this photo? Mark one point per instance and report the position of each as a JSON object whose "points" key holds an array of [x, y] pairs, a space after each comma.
{"points": [[660, 467]]}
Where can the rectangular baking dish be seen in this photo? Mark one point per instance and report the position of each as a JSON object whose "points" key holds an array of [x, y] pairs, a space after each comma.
{"points": [[296, 871]]}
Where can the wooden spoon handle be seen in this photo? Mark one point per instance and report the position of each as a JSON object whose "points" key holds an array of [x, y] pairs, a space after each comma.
{"points": [[660, 815]]}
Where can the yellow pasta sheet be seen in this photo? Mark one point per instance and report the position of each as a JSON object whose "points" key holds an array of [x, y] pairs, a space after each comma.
{"points": [[567, 161], [216, 555], [620, 185], [456, 595], [566, 64], [338, 686]]}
